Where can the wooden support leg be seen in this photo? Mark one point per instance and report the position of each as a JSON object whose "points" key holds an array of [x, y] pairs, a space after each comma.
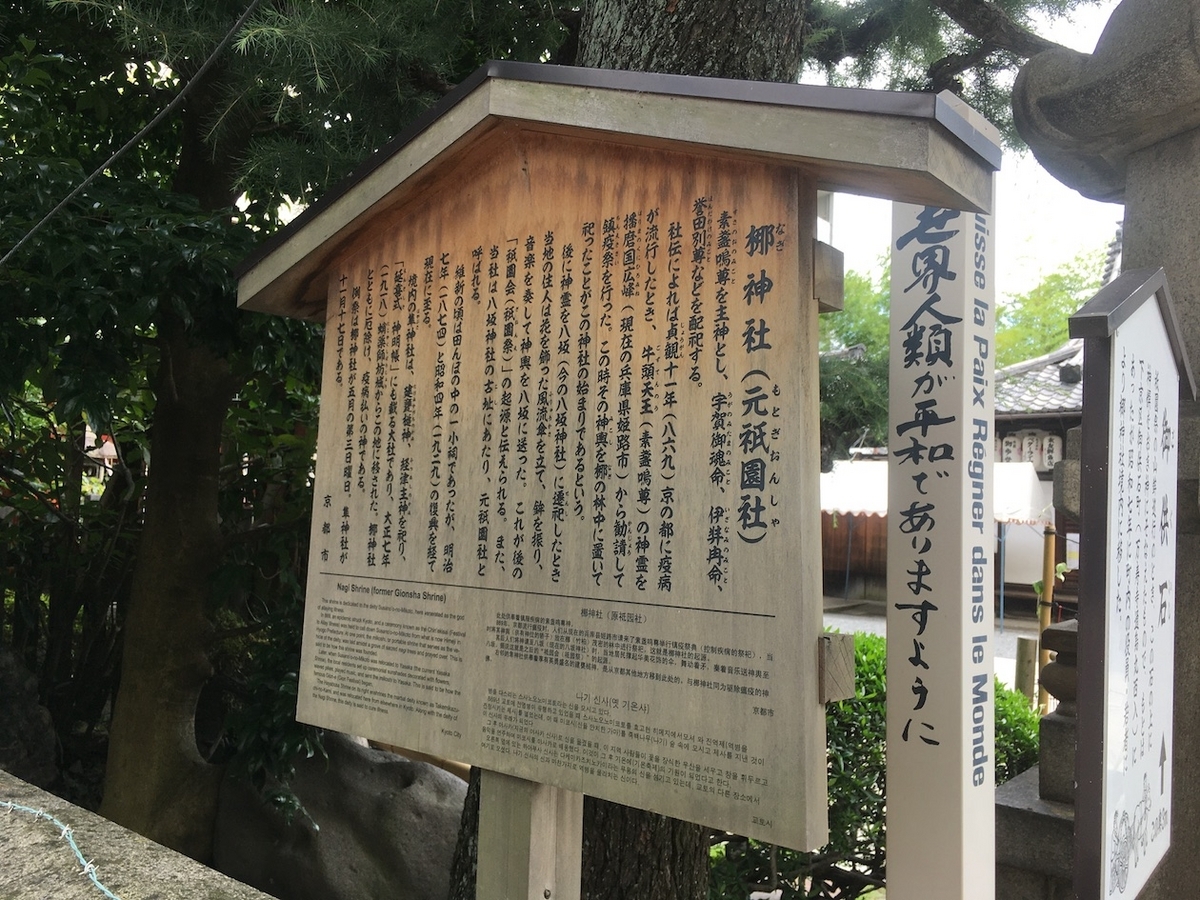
{"points": [[530, 840], [1027, 666]]}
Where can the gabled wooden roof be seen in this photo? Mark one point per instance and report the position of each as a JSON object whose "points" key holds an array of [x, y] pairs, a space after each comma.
{"points": [[916, 148]]}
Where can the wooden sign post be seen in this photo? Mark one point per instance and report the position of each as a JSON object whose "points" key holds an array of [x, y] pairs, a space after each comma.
{"points": [[1134, 363], [530, 839], [566, 524]]}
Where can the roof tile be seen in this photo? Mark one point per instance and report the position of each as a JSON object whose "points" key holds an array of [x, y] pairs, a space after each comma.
{"points": [[1035, 386]]}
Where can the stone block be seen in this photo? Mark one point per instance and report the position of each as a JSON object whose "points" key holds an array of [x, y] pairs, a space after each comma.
{"points": [[38, 862], [1074, 448], [1056, 758], [1062, 638], [1019, 884], [381, 826], [1066, 486], [1032, 834], [1187, 503]]}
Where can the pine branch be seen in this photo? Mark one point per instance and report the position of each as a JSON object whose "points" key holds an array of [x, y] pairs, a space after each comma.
{"points": [[943, 74], [833, 41], [427, 77], [990, 24]]}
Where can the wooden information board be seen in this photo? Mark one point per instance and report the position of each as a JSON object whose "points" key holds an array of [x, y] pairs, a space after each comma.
{"points": [[566, 522]]}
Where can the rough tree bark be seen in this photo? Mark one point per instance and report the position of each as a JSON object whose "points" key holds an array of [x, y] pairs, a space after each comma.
{"points": [[758, 41], [157, 783], [631, 854]]}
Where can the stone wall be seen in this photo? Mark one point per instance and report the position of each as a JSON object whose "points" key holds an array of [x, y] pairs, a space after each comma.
{"points": [[36, 861]]}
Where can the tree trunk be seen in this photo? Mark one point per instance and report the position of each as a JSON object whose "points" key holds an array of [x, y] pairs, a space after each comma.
{"points": [[760, 40], [65, 601], [632, 854], [157, 783], [466, 852]]}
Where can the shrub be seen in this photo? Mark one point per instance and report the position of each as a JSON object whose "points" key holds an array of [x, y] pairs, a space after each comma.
{"points": [[1016, 734], [854, 861]]}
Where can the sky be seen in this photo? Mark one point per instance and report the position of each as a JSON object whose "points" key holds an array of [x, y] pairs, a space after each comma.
{"points": [[1040, 224]]}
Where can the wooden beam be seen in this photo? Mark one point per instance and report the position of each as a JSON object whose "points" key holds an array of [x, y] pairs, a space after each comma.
{"points": [[530, 840]]}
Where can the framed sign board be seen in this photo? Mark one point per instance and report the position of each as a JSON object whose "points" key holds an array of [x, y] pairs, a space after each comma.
{"points": [[1133, 365]]}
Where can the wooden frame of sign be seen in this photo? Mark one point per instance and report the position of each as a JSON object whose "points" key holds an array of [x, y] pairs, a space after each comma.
{"points": [[1135, 367], [566, 516]]}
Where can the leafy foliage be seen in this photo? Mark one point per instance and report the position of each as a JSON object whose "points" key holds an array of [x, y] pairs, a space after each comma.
{"points": [[863, 319], [854, 405], [147, 251], [79, 335], [260, 659], [65, 562], [1016, 734], [258, 592], [854, 370], [1034, 323], [911, 45], [854, 862], [312, 89]]}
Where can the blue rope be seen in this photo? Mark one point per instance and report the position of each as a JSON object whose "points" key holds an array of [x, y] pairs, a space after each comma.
{"points": [[64, 831]]}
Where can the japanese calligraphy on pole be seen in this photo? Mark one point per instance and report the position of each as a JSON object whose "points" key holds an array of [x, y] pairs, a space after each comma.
{"points": [[940, 543]]}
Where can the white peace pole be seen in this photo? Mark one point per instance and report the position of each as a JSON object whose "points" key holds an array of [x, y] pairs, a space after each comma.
{"points": [[941, 539]]}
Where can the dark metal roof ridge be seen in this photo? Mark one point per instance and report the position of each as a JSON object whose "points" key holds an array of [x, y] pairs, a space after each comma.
{"points": [[862, 100], [1065, 412], [1071, 348]]}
